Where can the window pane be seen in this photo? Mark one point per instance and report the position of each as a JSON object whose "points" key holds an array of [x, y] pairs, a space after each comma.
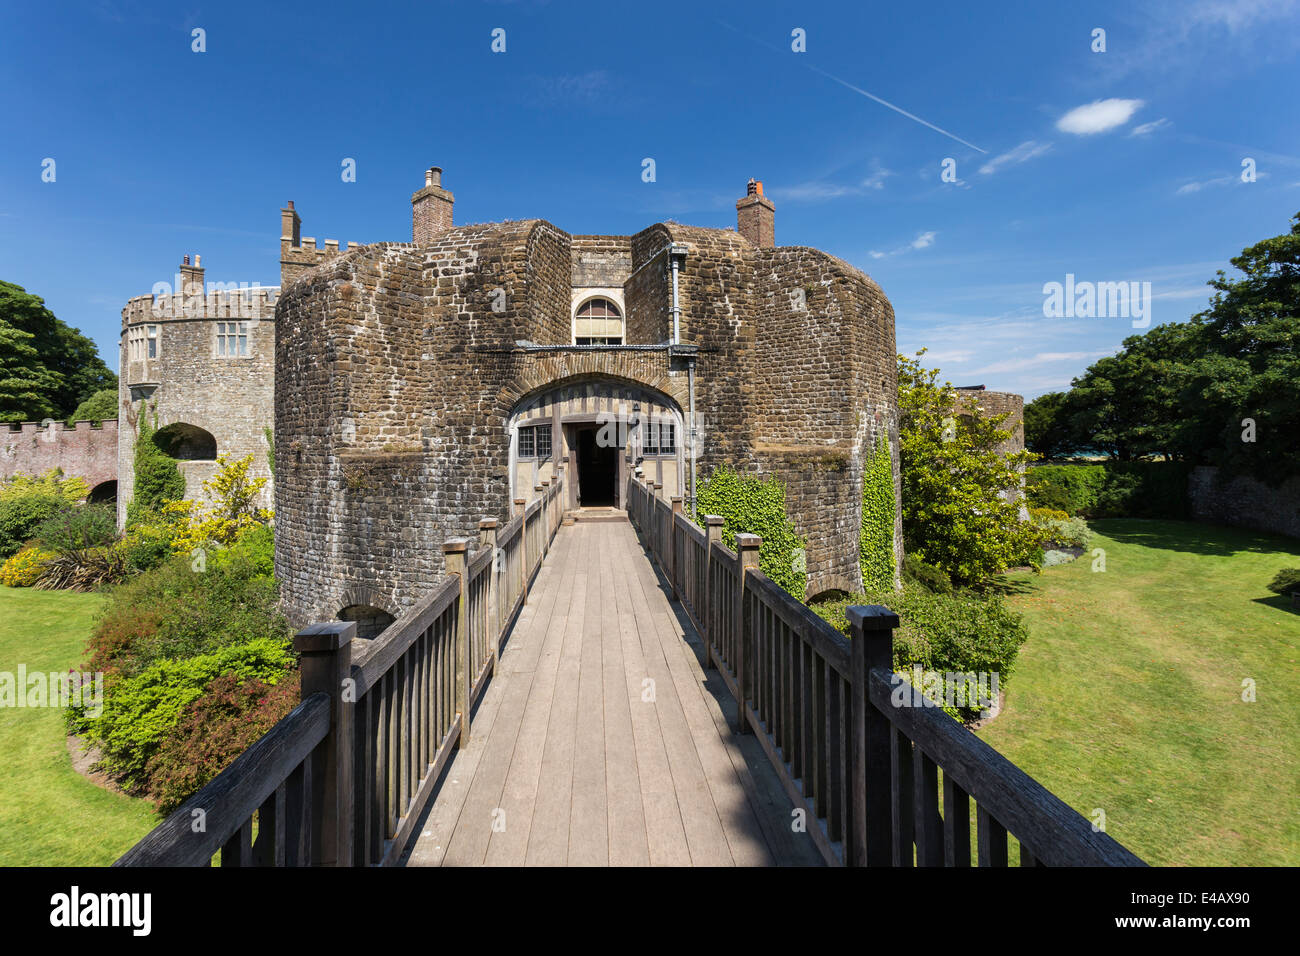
{"points": [[243, 345], [525, 443], [153, 348], [543, 442]]}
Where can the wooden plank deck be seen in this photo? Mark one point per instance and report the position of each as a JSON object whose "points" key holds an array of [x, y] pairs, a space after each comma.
{"points": [[601, 740]]}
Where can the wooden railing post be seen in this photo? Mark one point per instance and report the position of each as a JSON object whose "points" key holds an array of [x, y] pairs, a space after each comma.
{"points": [[454, 552], [872, 643], [487, 529], [521, 509], [545, 515], [747, 546], [712, 532], [673, 570], [325, 666]]}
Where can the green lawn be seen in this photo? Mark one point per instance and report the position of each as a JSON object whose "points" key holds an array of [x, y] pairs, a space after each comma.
{"points": [[50, 814], [1127, 695]]}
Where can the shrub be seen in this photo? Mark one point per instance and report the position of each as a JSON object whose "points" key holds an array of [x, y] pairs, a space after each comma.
{"points": [[1055, 533], [139, 712], [1117, 489], [75, 529], [876, 538], [212, 731], [99, 407], [1287, 580], [959, 632], [23, 569], [232, 510], [20, 515], [84, 569], [751, 505], [157, 478], [147, 542], [927, 576], [176, 611], [1069, 488]]}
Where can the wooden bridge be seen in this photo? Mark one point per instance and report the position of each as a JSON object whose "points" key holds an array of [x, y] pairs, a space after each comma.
{"points": [[568, 696]]}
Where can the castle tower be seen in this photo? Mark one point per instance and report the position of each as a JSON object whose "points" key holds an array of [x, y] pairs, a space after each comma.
{"points": [[431, 208], [756, 216]]}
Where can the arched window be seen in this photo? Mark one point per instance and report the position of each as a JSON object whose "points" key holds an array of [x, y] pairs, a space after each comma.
{"points": [[598, 322], [186, 442]]}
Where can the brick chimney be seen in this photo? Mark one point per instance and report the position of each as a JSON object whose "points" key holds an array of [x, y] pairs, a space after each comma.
{"points": [[290, 226], [431, 208], [755, 216], [191, 277]]}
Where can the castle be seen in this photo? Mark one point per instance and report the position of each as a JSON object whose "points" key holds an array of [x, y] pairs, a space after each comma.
{"points": [[414, 388]]}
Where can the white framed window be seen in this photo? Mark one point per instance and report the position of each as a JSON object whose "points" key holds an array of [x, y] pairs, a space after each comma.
{"points": [[232, 339], [535, 441], [598, 321], [660, 438], [142, 342]]}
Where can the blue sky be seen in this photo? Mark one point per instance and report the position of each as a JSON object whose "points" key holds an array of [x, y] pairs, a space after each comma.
{"points": [[1123, 165]]}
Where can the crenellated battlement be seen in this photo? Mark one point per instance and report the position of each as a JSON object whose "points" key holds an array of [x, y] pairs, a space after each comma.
{"points": [[298, 253], [83, 449], [254, 303]]}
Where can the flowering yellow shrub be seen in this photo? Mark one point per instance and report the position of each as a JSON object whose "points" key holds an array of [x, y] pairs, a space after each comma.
{"points": [[25, 568], [232, 495]]}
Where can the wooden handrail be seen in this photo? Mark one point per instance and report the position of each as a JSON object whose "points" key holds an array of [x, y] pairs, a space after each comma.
{"points": [[343, 779], [821, 706]]}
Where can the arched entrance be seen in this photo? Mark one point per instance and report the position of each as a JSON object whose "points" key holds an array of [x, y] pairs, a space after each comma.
{"points": [[601, 429]]}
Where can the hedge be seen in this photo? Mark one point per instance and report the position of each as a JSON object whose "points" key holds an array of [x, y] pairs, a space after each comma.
{"points": [[1116, 489]]}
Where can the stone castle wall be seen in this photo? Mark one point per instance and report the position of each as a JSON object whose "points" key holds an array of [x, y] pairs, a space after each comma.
{"points": [[85, 451], [398, 367], [1244, 501], [187, 383]]}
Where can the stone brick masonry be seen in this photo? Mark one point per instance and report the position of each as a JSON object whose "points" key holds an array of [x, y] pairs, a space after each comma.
{"points": [[85, 451], [399, 367]]}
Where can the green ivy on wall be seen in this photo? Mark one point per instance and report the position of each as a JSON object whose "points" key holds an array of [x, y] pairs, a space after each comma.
{"points": [[753, 505], [876, 540]]}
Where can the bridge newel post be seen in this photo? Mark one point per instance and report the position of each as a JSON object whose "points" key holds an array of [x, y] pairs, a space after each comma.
{"points": [[487, 528], [656, 522], [521, 509], [454, 552], [708, 613], [672, 545], [545, 514], [747, 546], [325, 667], [871, 808]]}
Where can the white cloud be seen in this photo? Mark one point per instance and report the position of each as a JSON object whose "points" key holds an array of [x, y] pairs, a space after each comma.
{"points": [[1021, 154], [1033, 361], [818, 190], [1197, 187], [924, 240], [1098, 116], [1147, 128]]}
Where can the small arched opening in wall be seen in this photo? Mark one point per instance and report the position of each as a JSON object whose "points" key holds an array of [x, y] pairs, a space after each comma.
{"points": [[828, 594], [601, 430], [105, 491], [371, 621], [186, 442]]}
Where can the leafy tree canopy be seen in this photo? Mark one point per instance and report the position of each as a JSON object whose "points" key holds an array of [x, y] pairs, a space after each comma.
{"points": [[54, 370]]}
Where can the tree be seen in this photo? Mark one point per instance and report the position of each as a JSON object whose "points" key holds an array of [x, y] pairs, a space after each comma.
{"points": [[25, 384], [1047, 426], [100, 407], [959, 512], [1248, 366], [66, 363]]}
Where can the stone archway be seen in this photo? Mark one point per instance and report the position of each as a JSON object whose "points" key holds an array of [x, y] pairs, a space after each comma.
{"points": [[600, 429]]}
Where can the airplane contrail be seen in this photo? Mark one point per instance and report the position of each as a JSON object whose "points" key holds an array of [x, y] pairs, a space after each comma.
{"points": [[871, 96]]}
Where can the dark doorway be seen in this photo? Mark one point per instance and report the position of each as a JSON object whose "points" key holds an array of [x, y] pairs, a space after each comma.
{"points": [[597, 470]]}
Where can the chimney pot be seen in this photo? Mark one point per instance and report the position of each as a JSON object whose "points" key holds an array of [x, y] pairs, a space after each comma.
{"points": [[755, 216], [197, 260], [186, 260], [290, 203], [431, 208]]}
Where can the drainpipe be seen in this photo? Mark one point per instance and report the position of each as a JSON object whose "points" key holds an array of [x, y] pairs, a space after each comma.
{"points": [[676, 252]]}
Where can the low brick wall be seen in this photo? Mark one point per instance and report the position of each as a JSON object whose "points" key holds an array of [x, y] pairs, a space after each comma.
{"points": [[1244, 502], [84, 451]]}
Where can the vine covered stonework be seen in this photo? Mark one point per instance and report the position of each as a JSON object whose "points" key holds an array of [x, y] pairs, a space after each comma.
{"points": [[753, 505], [876, 549]]}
